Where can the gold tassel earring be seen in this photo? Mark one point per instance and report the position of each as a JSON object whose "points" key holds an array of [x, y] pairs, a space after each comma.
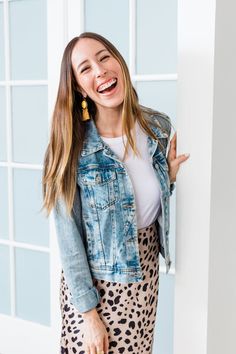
{"points": [[85, 112]]}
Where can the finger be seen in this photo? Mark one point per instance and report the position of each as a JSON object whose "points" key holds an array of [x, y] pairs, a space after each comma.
{"points": [[100, 351], [106, 344], [171, 153], [92, 349], [174, 137], [182, 158], [172, 148], [173, 140], [87, 349]]}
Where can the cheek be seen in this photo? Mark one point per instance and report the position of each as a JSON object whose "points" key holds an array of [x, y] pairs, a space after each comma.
{"points": [[121, 79], [86, 84], [120, 74]]}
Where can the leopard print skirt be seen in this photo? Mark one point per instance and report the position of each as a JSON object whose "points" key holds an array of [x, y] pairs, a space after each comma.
{"points": [[128, 310]]}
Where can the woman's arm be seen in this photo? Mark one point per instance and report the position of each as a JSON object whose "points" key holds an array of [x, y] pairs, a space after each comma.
{"points": [[173, 160], [74, 261]]}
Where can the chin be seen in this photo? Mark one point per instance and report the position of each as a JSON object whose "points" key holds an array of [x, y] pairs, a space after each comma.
{"points": [[111, 103]]}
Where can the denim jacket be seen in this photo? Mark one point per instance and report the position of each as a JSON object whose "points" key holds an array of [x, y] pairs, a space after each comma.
{"points": [[100, 238]]}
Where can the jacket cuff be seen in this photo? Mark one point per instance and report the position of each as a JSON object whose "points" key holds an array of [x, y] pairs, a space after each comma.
{"points": [[87, 301], [172, 187]]}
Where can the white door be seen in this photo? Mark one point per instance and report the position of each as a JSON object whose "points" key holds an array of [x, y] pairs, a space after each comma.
{"points": [[31, 40]]}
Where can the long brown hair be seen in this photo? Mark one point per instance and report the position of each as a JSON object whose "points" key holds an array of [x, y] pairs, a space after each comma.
{"points": [[68, 130]]}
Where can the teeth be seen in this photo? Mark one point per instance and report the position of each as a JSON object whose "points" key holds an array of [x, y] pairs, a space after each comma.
{"points": [[106, 85]]}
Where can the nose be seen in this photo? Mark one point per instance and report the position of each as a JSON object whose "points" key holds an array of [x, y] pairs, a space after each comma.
{"points": [[100, 70]]}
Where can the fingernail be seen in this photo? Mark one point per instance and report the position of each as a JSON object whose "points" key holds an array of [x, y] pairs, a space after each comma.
{"points": [[187, 155]]}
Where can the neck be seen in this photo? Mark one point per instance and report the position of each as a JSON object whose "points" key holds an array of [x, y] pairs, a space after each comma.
{"points": [[109, 121]]}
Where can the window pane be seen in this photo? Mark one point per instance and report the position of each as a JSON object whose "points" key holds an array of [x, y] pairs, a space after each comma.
{"points": [[32, 286], [156, 36], [165, 316], [160, 95], [31, 226], [30, 123], [2, 51], [5, 303], [113, 23], [28, 39], [4, 231], [3, 138]]}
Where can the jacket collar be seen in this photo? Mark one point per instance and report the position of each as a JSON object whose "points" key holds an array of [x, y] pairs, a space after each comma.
{"points": [[93, 142]]}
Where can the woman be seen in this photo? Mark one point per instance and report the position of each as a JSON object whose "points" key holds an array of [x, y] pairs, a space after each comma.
{"points": [[108, 181]]}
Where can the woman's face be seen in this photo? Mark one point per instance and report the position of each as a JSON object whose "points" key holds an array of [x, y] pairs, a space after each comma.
{"points": [[98, 73]]}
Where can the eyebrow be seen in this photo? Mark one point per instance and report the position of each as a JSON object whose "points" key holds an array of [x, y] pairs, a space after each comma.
{"points": [[100, 51]]}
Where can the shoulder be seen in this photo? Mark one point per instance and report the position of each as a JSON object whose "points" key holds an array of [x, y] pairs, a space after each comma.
{"points": [[159, 119]]}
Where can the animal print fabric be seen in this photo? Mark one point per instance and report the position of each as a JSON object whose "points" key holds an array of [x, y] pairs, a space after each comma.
{"points": [[128, 310]]}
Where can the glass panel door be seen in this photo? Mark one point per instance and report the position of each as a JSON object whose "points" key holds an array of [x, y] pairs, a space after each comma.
{"points": [[29, 320]]}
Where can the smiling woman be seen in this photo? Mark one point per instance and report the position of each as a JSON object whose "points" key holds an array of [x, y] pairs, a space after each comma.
{"points": [[107, 179], [99, 76]]}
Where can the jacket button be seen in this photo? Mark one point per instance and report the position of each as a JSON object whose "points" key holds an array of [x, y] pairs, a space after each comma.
{"points": [[98, 179]]}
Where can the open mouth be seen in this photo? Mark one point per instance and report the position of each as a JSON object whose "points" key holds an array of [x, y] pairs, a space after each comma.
{"points": [[108, 86]]}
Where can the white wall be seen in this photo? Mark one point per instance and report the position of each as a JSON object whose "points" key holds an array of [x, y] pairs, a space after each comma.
{"points": [[205, 308], [221, 328]]}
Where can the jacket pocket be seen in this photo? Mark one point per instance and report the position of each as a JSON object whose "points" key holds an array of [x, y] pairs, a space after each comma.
{"points": [[100, 187]]}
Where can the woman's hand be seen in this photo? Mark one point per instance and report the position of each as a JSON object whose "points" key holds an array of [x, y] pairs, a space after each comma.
{"points": [[95, 333], [173, 161]]}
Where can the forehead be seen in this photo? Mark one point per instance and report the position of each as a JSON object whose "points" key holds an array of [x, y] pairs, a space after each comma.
{"points": [[84, 49]]}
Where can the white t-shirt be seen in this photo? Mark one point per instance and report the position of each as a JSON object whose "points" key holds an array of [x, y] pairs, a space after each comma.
{"points": [[143, 177]]}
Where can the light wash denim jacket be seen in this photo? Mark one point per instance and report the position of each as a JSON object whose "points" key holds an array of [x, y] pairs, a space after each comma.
{"points": [[100, 239]]}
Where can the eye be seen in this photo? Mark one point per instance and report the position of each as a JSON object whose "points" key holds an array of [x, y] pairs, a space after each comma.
{"points": [[106, 56], [87, 67]]}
